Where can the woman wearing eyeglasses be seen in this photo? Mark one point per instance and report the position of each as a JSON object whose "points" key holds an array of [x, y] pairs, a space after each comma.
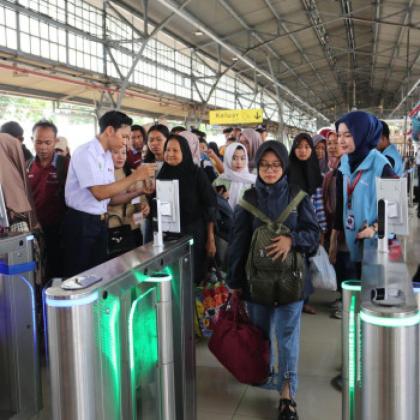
{"points": [[272, 195]]}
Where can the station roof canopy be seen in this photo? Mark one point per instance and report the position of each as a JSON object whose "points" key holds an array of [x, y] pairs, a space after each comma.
{"points": [[333, 54], [324, 57]]}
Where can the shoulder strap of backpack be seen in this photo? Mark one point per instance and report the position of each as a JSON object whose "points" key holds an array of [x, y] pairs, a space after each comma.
{"points": [[291, 206], [255, 211]]}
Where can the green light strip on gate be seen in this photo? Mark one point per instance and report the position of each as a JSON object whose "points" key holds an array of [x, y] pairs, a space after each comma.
{"points": [[390, 322], [352, 355], [353, 287], [109, 311], [130, 326]]}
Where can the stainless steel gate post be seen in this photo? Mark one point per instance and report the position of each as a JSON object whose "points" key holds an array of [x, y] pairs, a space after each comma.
{"points": [[73, 357], [350, 327], [20, 382], [166, 345], [389, 337], [390, 358]]}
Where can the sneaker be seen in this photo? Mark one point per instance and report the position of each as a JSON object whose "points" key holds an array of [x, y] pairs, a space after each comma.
{"points": [[287, 410], [338, 313], [335, 304]]}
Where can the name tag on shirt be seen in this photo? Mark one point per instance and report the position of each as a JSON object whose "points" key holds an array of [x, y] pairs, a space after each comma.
{"points": [[350, 222]]}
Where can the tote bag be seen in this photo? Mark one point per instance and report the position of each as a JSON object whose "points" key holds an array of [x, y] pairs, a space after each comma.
{"points": [[240, 346]]}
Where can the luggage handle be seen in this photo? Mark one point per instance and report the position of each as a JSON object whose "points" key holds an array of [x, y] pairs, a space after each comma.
{"points": [[236, 306]]}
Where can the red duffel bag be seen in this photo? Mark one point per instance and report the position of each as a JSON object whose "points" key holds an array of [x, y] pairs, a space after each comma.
{"points": [[240, 346]]}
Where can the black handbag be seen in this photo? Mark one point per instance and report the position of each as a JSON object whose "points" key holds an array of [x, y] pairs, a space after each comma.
{"points": [[120, 238]]}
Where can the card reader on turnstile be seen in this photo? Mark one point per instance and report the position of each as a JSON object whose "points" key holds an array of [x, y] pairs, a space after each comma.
{"points": [[387, 296]]}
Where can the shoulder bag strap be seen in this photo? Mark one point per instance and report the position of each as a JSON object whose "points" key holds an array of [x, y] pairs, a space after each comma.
{"points": [[292, 205], [254, 211]]}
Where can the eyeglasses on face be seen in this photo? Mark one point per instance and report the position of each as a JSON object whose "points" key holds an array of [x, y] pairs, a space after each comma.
{"points": [[275, 166]]}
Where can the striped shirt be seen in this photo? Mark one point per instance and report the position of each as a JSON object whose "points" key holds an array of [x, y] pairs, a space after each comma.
{"points": [[318, 203]]}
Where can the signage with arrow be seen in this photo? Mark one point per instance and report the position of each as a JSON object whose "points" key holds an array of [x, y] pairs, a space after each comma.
{"points": [[236, 116]]}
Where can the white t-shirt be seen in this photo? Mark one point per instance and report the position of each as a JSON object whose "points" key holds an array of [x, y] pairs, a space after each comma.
{"points": [[90, 165]]}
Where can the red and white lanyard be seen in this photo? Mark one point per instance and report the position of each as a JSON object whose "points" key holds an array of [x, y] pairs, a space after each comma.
{"points": [[351, 187]]}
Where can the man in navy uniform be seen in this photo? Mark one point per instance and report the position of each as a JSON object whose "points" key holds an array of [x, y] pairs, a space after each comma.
{"points": [[90, 187], [138, 138], [390, 151]]}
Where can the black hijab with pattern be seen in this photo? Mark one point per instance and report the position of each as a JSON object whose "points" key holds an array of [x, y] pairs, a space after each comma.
{"points": [[304, 173]]}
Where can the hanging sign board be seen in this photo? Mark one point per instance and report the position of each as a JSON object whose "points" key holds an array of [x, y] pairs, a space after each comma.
{"points": [[236, 116]]}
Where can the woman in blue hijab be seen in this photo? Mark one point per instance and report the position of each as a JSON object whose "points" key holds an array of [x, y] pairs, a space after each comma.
{"points": [[358, 134]]}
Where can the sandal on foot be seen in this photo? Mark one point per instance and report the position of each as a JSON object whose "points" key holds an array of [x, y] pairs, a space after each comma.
{"points": [[308, 309], [287, 410]]}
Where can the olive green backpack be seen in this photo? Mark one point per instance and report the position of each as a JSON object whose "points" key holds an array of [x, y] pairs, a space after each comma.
{"points": [[273, 282]]}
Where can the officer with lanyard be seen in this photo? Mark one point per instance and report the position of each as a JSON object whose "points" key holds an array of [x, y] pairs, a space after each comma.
{"points": [[358, 133]]}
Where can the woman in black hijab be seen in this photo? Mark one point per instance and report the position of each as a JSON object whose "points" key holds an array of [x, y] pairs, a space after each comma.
{"points": [[304, 167], [305, 172], [281, 323], [197, 200]]}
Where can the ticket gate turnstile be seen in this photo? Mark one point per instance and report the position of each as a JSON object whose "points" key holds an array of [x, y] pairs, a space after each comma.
{"points": [[380, 341], [20, 383], [123, 348]]}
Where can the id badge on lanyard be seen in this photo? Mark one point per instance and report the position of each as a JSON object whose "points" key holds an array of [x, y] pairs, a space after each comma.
{"points": [[350, 220]]}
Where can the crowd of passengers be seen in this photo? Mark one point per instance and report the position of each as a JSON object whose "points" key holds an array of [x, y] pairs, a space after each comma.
{"points": [[75, 203]]}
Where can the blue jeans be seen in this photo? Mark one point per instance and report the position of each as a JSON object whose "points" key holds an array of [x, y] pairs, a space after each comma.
{"points": [[282, 325]]}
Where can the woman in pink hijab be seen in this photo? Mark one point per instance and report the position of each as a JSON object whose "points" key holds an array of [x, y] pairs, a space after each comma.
{"points": [[194, 144], [252, 141], [14, 183]]}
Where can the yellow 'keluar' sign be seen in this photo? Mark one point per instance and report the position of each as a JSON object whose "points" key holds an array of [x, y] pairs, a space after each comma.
{"points": [[236, 116]]}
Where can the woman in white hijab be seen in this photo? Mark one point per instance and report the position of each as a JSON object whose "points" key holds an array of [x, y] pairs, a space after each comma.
{"points": [[236, 177]]}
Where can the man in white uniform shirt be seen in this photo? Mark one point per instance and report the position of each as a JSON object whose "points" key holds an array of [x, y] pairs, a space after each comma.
{"points": [[89, 188]]}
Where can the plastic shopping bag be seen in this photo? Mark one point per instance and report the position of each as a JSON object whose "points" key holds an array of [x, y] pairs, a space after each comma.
{"points": [[322, 272]]}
